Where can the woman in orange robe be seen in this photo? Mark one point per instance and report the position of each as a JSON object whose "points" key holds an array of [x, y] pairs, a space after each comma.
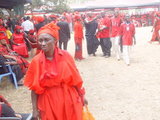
{"points": [[18, 41], [156, 28], [54, 80], [78, 37]]}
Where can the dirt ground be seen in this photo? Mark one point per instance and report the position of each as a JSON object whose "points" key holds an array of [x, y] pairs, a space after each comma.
{"points": [[115, 91]]}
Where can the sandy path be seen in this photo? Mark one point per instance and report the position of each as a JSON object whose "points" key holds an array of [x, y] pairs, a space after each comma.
{"points": [[114, 90]]}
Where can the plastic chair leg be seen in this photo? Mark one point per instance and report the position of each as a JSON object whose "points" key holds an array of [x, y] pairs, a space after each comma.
{"points": [[15, 81]]}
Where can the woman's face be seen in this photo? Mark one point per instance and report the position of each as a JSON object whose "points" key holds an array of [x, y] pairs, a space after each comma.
{"points": [[18, 30], [46, 42], [3, 42]]}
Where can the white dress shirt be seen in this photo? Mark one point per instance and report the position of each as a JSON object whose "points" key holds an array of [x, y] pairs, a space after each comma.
{"points": [[27, 25]]}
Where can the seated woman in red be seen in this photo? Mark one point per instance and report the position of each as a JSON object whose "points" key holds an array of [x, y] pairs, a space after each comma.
{"points": [[18, 64], [3, 33], [18, 41], [54, 80]]}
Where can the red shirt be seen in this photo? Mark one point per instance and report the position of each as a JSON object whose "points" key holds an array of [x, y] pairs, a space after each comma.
{"points": [[18, 38], [69, 18], [127, 32], [78, 30], [3, 35], [116, 22], [104, 22]]}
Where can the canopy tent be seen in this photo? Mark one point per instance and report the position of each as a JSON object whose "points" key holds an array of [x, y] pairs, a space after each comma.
{"points": [[100, 4], [9, 4], [17, 5]]}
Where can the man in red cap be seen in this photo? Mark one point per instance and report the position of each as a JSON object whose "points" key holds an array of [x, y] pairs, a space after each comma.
{"points": [[115, 34], [128, 34], [104, 26], [40, 22]]}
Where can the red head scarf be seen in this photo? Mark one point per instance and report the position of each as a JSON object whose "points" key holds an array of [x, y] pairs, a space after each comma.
{"points": [[40, 19], [51, 29], [53, 16], [31, 31], [18, 27]]}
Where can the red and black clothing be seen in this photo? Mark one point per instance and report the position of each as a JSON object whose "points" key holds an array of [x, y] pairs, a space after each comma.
{"points": [[78, 37]]}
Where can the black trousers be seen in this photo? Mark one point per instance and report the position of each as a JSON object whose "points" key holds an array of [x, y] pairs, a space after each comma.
{"points": [[27, 43], [106, 46], [65, 43], [18, 72], [92, 44]]}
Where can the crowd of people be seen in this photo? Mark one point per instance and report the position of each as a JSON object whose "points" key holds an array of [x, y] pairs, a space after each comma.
{"points": [[113, 32], [102, 29], [55, 83]]}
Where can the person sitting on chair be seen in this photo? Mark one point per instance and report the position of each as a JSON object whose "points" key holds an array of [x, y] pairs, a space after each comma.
{"points": [[18, 64]]}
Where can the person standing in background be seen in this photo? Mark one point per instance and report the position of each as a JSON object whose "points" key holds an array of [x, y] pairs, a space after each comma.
{"points": [[115, 34], [78, 37], [104, 35], [27, 25], [68, 17], [64, 33], [91, 27], [156, 29], [128, 34]]}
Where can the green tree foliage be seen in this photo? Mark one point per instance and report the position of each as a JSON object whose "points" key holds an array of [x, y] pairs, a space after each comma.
{"points": [[60, 6], [37, 3], [57, 2], [77, 1]]}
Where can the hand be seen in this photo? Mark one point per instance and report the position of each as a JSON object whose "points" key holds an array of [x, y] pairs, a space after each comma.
{"points": [[85, 101], [18, 44], [18, 115], [35, 115], [13, 53]]}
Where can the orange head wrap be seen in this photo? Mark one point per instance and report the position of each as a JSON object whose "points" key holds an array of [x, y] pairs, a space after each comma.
{"points": [[31, 31], [51, 29], [53, 16], [40, 19], [77, 17], [18, 27]]}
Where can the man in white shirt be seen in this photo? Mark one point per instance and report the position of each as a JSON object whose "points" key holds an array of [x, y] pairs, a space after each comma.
{"points": [[27, 25]]}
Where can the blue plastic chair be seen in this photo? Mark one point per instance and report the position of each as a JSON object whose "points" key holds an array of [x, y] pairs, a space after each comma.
{"points": [[9, 73]]}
